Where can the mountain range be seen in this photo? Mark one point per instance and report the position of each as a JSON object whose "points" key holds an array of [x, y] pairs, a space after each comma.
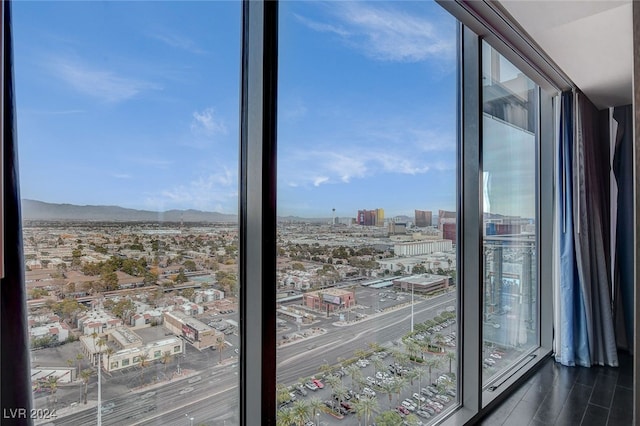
{"points": [[33, 210], [40, 211]]}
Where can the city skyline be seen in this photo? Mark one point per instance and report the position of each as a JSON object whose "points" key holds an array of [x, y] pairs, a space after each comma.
{"points": [[136, 105]]}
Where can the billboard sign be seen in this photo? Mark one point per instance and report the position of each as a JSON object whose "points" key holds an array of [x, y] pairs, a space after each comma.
{"points": [[328, 298], [189, 332]]}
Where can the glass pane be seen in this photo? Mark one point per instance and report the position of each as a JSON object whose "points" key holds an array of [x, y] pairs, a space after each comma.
{"points": [[128, 124], [509, 153], [366, 200]]}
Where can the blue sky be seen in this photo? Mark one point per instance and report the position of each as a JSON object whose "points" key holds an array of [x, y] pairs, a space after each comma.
{"points": [[136, 104]]}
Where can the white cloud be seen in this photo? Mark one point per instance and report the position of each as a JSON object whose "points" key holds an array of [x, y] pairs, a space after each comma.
{"points": [[321, 27], [103, 84], [305, 168], [179, 42], [206, 124], [386, 33], [216, 191]]}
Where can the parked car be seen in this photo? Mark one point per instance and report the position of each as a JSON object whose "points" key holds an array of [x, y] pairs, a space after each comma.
{"points": [[318, 383], [402, 410], [368, 392], [311, 386], [419, 397]]}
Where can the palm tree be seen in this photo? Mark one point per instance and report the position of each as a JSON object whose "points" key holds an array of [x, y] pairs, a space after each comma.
{"points": [[282, 394], [374, 346], [52, 383], [413, 348], [315, 405], [438, 338], [403, 359], [398, 385], [340, 393], [166, 359], [360, 353], [79, 358], [388, 388], [355, 373], [144, 362], [333, 381], [420, 373], [284, 417], [300, 411], [432, 363], [85, 375], [366, 406], [411, 375], [450, 356], [325, 369], [110, 351], [378, 364]]}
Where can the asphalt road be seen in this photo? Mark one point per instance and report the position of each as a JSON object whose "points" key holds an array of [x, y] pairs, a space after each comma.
{"points": [[213, 400]]}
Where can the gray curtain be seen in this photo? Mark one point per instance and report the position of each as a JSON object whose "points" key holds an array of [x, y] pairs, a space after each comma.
{"points": [[591, 231], [624, 257]]}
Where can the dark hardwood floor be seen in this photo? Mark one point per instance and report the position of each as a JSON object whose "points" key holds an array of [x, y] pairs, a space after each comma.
{"points": [[559, 395]]}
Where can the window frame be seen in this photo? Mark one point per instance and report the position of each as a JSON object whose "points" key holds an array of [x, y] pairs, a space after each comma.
{"points": [[258, 196]]}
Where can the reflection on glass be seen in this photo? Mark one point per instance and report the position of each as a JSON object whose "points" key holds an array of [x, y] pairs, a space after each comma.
{"points": [[133, 313], [509, 199], [366, 199]]}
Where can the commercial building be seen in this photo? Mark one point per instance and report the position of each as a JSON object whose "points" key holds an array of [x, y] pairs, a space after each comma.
{"points": [[199, 334], [370, 217], [416, 248], [423, 218], [423, 283], [329, 300]]}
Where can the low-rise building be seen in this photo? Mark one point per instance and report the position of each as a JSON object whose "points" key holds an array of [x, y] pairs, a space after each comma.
{"points": [[97, 321], [199, 334], [423, 283], [330, 299]]}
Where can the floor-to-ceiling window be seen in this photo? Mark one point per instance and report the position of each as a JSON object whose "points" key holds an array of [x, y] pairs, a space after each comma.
{"points": [[367, 223], [509, 175], [128, 133], [368, 263]]}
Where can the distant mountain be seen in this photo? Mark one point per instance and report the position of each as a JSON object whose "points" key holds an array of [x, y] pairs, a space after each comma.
{"points": [[38, 210]]}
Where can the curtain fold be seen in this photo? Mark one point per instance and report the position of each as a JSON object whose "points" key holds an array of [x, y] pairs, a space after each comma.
{"points": [[586, 324], [15, 383]]}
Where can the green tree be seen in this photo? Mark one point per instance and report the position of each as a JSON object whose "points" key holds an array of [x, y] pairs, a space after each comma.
{"points": [[85, 375], [284, 417], [181, 277], [188, 293], [109, 280], [300, 411], [419, 269], [365, 407], [79, 358], [388, 388], [389, 418], [189, 265], [52, 384], [166, 359]]}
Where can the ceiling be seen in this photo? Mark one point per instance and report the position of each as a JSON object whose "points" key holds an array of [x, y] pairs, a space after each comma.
{"points": [[590, 41]]}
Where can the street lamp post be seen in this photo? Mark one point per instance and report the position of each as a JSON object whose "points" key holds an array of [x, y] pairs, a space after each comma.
{"points": [[99, 388], [412, 284]]}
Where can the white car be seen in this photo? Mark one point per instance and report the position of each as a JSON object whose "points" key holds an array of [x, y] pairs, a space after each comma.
{"points": [[408, 405], [368, 392], [419, 397]]}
